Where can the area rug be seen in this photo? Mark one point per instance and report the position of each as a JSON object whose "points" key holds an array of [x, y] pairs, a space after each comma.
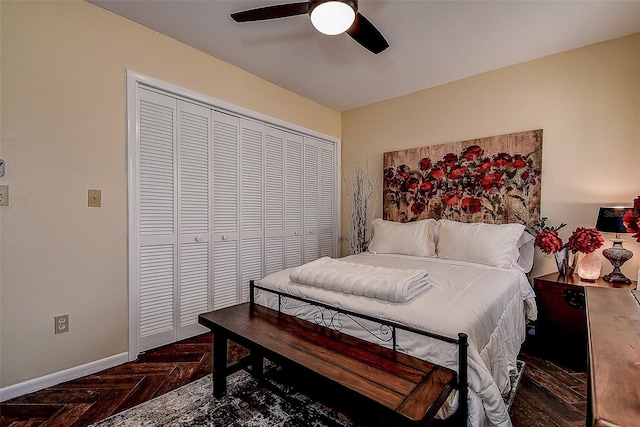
{"points": [[514, 378], [269, 403]]}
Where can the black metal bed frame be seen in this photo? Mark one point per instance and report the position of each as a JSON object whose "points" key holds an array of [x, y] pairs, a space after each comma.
{"points": [[462, 341]]}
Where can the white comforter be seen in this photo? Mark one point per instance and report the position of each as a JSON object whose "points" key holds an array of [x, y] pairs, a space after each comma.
{"points": [[486, 303]]}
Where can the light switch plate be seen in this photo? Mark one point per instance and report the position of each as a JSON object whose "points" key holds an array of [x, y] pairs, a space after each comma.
{"points": [[95, 198], [4, 195]]}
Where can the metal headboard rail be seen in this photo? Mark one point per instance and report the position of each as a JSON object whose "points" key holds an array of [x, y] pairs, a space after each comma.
{"points": [[461, 342]]}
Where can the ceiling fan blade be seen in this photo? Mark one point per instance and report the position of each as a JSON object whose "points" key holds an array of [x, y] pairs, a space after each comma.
{"points": [[365, 33], [271, 12]]}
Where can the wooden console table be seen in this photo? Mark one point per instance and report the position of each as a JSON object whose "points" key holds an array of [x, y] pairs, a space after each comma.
{"points": [[613, 321]]}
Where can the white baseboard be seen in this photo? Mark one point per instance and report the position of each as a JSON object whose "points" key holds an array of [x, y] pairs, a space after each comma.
{"points": [[36, 384]]}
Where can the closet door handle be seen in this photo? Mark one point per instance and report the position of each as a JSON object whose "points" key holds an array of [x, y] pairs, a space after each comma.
{"points": [[198, 239], [224, 237], [295, 233]]}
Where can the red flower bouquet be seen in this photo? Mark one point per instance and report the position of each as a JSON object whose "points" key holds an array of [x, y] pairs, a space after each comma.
{"points": [[585, 240], [548, 241], [547, 237], [631, 219]]}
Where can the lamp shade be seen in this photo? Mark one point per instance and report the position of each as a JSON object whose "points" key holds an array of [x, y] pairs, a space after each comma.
{"points": [[610, 220], [332, 17]]}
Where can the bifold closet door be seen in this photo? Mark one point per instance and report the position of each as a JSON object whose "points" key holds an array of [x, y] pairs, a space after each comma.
{"points": [[194, 216], [311, 188], [293, 176], [319, 199], [238, 220], [251, 197], [226, 209], [174, 218], [274, 182], [326, 192], [158, 234]]}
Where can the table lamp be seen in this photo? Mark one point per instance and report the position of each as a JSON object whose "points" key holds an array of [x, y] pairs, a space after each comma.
{"points": [[610, 221]]}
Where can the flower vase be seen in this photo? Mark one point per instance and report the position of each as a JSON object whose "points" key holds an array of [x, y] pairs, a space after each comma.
{"points": [[565, 261]]}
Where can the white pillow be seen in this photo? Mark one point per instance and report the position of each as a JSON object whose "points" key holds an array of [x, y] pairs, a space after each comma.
{"points": [[489, 244], [522, 254], [411, 238]]}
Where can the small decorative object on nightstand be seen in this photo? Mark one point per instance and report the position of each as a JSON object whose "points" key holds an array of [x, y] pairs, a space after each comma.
{"points": [[610, 221], [589, 267]]}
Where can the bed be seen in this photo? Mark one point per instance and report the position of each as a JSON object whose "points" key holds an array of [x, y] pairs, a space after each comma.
{"points": [[475, 283], [455, 212]]}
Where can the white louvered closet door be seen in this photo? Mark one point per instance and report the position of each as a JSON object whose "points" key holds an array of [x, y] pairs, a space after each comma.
{"points": [[174, 219], [194, 213], [319, 199], [274, 201], [293, 200], [226, 134], [157, 207], [326, 189], [311, 241], [251, 204]]}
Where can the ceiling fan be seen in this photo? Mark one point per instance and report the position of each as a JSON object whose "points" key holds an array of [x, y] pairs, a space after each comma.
{"points": [[330, 17]]}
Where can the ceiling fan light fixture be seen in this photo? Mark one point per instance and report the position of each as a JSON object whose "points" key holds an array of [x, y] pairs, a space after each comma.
{"points": [[332, 17]]}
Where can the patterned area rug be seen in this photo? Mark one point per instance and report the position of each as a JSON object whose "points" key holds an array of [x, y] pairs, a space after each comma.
{"points": [[248, 402]]}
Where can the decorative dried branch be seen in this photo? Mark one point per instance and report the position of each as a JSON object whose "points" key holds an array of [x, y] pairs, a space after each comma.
{"points": [[360, 196]]}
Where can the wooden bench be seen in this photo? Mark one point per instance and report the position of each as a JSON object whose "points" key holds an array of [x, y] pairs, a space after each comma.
{"points": [[412, 388]]}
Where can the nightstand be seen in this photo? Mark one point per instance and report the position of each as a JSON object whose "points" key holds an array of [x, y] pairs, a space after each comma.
{"points": [[561, 328]]}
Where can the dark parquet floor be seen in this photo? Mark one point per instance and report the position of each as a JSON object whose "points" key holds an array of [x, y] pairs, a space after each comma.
{"points": [[549, 395]]}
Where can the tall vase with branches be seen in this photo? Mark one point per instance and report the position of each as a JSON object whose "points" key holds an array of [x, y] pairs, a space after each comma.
{"points": [[359, 191]]}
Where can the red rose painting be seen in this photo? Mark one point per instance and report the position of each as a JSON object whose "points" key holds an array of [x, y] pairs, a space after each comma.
{"points": [[471, 205], [495, 180]]}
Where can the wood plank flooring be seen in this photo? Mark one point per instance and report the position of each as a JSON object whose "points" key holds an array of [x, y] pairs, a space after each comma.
{"points": [[549, 395], [86, 400]]}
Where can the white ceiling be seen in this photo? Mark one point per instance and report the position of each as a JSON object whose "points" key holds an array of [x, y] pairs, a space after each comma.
{"points": [[431, 42]]}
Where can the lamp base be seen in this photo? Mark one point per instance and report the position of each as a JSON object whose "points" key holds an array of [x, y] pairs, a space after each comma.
{"points": [[616, 277], [617, 255]]}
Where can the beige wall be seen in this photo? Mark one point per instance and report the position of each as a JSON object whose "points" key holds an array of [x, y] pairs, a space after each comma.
{"points": [[63, 132], [587, 101]]}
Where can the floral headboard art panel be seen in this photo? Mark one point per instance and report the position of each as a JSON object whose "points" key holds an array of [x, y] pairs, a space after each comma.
{"points": [[496, 180]]}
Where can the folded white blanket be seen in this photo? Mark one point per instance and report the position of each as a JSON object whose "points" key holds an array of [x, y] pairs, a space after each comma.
{"points": [[387, 284]]}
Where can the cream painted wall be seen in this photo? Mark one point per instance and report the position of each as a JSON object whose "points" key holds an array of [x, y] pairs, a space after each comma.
{"points": [[63, 132], [587, 101]]}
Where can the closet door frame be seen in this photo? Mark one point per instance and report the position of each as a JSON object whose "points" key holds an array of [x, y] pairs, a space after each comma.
{"points": [[134, 80]]}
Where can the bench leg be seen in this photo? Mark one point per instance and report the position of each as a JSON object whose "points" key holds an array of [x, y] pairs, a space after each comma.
{"points": [[257, 364], [219, 364]]}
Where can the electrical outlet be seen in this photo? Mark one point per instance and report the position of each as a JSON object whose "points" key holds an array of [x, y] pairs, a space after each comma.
{"points": [[4, 195], [61, 324]]}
